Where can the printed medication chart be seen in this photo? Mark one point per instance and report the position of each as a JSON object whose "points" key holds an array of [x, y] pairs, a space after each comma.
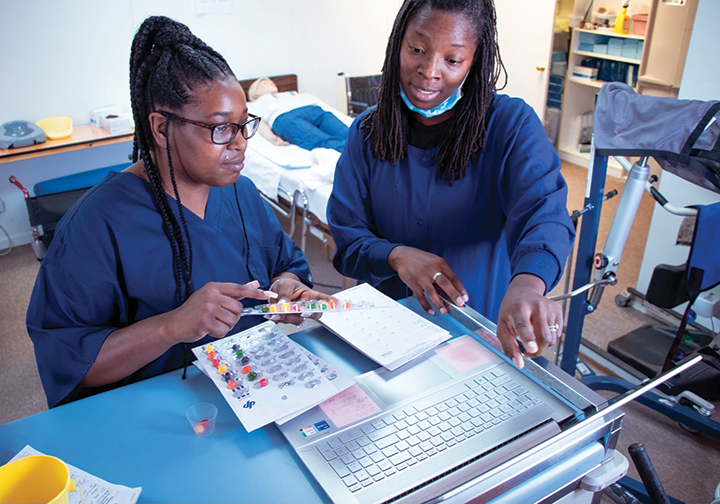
{"points": [[390, 333], [266, 377]]}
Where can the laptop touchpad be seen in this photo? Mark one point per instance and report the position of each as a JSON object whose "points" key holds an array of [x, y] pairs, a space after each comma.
{"points": [[399, 385]]}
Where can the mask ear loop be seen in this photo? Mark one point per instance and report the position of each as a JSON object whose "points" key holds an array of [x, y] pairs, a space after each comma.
{"points": [[460, 87]]}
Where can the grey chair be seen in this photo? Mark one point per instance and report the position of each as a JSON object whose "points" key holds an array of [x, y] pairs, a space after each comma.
{"points": [[361, 93]]}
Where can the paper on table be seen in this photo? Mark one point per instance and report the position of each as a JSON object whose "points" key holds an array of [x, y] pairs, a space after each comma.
{"points": [[94, 489], [390, 334], [350, 405], [464, 353]]}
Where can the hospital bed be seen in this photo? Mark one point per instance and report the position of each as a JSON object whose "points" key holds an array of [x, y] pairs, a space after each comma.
{"points": [[292, 180]]}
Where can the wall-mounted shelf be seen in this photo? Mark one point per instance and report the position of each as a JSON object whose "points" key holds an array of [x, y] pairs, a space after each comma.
{"points": [[607, 57], [611, 33], [585, 82]]}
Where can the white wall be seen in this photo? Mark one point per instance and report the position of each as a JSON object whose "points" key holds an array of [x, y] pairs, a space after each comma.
{"points": [[700, 81], [66, 57], [71, 56]]}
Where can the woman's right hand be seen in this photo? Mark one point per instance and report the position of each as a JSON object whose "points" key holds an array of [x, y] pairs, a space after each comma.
{"points": [[424, 273], [212, 310]]}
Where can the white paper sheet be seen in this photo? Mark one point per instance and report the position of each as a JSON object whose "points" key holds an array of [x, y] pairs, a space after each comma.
{"points": [[390, 334], [94, 489]]}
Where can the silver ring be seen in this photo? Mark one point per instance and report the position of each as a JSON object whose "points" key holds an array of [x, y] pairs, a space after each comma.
{"points": [[436, 275], [553, 327]]}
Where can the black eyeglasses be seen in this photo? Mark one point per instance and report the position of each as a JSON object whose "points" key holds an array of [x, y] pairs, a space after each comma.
{"points": [[224, 133]]}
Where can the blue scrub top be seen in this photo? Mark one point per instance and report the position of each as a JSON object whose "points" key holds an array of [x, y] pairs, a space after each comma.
{"points": [[508, 215], [110, 265]]}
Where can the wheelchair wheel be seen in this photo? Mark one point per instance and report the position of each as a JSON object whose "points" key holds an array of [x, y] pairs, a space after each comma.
{"points": [[622, 299]]}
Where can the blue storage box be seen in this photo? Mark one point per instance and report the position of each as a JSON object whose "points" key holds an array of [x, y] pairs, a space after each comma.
{"points": [[556, 79], [593, 38], [555, 97], [554, 104], [600, 48], [632, 49], [615, 47], [585, 46], [554, 88]]}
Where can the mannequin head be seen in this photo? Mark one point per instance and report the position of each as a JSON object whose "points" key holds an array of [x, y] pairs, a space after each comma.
{"points": [[261, 87]]}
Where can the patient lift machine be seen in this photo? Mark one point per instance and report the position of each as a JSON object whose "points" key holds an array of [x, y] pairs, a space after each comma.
{"points": [[683, 137]]}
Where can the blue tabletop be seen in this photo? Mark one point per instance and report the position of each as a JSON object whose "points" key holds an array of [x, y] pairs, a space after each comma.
{"points": [[138, 435]]}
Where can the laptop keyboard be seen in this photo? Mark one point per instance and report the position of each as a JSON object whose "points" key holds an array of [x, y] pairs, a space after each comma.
{"points": [[382, 447]]}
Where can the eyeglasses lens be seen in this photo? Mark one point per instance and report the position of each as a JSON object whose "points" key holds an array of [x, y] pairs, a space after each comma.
{"points": [[250, 127]]}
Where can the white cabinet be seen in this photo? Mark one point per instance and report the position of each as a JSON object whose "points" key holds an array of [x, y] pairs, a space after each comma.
{"points": [[665, 44], [579, 94]]}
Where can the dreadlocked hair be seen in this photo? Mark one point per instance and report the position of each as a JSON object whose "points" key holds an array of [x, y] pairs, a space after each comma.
{"points": [[167, 62], [386, 126]]}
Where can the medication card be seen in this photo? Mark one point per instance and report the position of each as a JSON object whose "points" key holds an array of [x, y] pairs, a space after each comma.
{"points": [[265, 376]]}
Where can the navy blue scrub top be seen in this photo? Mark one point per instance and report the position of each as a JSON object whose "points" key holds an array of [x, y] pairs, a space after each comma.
{"points": [[508, 215], [110, 265]]}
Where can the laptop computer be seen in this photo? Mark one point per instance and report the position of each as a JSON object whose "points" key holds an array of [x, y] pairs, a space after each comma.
{"points": [[426, 427]]}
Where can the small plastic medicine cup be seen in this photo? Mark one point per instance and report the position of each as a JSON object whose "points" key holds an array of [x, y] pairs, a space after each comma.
{"points": [[202, 418]]}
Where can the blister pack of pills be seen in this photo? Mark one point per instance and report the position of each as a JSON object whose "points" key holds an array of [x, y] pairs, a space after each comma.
{"points": [[265, 376], [299, 307]]}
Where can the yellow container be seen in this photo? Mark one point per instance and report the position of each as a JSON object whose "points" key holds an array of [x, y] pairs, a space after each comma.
{"points": [[56, 127], [37, 478], [622, 21]]}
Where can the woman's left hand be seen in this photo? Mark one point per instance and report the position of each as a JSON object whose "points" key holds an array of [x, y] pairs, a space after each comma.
{"points": [[526, 313], [290, 288]]}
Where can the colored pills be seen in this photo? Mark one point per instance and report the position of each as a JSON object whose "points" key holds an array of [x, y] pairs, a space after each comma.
{"points": [[313, 306]]}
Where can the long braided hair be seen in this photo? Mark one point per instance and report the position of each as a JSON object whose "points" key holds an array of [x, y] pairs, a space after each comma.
{"points": [[167, 62], [386, 127]]}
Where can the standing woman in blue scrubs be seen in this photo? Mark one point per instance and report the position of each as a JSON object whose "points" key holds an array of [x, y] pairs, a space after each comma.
{"points": [[157, 258], [448, 186]]}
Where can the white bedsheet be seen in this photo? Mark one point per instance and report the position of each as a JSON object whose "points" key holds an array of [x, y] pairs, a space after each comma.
{"points": [[280, 170]]}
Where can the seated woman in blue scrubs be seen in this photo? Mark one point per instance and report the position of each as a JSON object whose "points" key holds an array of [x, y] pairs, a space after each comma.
{"points": [[157, 258], [447, 185]]}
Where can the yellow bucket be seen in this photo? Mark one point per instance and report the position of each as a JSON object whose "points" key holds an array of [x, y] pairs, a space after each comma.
{"points": [[37, 478]]}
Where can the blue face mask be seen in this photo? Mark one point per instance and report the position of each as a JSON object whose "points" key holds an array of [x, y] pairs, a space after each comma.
{"points": [[440, 109]]}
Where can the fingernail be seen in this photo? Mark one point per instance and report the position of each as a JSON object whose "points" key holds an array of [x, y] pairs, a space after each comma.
{"points": [[519, 362], [306, 314], [271, 294], [443, 311], [531, 346], [281, 300], [431, 312], [460, 301], [275, 317], [255, 283]]}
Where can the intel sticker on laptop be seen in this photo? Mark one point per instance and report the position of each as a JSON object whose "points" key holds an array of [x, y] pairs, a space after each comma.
{"points": [[311, 430]]}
